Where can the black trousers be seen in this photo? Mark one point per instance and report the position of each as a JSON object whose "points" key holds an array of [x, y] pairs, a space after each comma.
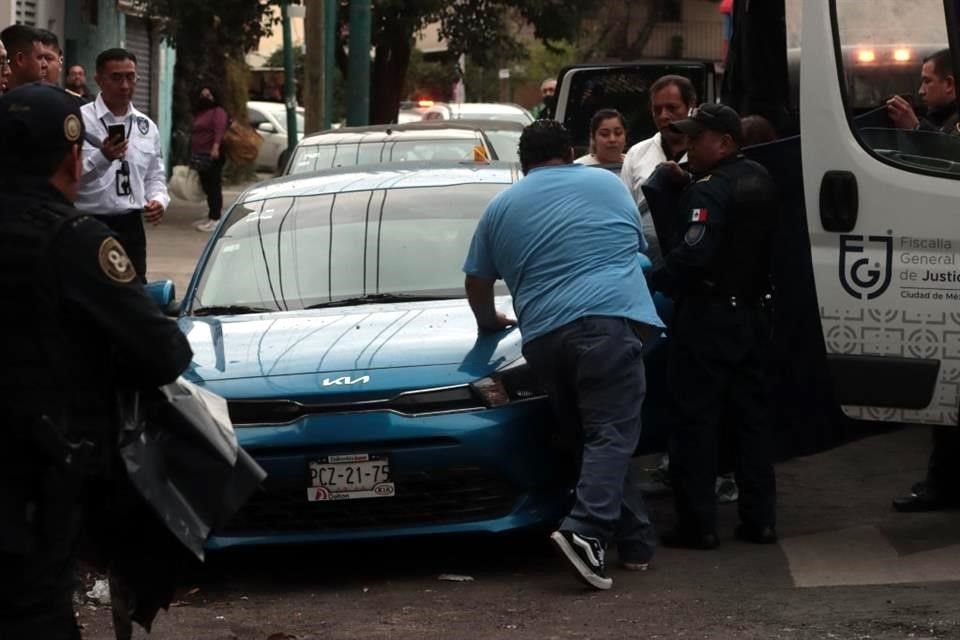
{"points": [[129, 229], [211, 179], [717, 373], [943, 471], [36, 597]]}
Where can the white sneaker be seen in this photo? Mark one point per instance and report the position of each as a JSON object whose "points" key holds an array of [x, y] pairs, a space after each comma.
{"points": [[207, 225]]}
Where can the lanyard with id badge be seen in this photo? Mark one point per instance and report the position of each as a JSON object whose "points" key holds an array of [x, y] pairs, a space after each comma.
{"points": [[116, 133]]}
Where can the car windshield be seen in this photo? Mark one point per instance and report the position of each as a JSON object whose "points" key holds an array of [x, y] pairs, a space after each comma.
{"points": [[505, 143], [309, 158], [298, 252]]}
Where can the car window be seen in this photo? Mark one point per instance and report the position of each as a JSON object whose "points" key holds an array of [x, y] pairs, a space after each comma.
{"points": [[345, 155], [312, 158], [626, 89], [290, 253], [921, 134], [505, 143], [436, 150]]}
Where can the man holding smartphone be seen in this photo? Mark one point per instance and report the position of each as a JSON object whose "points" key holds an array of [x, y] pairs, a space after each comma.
{"points": [[124, 179]]}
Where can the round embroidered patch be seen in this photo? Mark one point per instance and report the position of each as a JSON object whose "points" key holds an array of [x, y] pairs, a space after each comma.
{"points": [[694, 234], [72, 129], [114, 262]]}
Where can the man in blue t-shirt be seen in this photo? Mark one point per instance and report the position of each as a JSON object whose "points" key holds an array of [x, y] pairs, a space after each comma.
{"points": [[566, 239]]}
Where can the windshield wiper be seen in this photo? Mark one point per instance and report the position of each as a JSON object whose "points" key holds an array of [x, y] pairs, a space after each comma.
{"points": [[373, 298], [228, 310]]}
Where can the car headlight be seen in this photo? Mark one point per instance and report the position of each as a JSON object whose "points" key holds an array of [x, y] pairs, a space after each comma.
{"points": [[513, 383]]}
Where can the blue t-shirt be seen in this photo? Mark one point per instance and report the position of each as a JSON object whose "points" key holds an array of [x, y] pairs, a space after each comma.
{"points": [[567, 240]]}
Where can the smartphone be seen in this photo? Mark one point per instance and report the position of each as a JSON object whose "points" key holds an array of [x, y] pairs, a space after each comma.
{"points": [[116, 133]]}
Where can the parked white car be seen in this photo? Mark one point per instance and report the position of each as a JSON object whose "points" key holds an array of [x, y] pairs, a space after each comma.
{"points": [[269, 119], [478, 111]]}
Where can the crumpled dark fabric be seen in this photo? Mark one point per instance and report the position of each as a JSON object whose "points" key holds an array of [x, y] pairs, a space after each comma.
{"points": [[183, 474]]}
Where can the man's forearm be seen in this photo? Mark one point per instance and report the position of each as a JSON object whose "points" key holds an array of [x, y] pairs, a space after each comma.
{"points": [[481, 298]]}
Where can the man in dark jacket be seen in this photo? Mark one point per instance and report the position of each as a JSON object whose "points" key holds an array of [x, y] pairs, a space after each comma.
{"points": [[718, 273], [83, 331], [938, 91]]}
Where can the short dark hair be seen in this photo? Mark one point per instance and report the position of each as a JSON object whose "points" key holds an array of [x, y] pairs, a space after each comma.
{"points": [[111, 55], [942, 63], [604, 114], [756, 130], [542, 141], [17, 38], [49, 39], [687, 92], [74, 66]]}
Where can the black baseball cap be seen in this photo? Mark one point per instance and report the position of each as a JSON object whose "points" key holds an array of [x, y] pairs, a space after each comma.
{"points": [[711, 117], [39, 123]]}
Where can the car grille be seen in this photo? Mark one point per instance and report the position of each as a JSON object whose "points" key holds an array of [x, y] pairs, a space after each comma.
{"points": [[444, 496]]}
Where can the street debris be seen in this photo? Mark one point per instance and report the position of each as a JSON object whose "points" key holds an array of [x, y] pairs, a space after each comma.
{"points": [[453, 577], [100, 593]]}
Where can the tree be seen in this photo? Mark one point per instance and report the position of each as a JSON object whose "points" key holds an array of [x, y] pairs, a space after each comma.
{"points": [[211, 39], [478, 28]]}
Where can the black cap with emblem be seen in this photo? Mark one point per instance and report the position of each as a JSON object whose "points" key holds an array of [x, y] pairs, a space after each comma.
{"points": [[39, 123], [711, 117]]}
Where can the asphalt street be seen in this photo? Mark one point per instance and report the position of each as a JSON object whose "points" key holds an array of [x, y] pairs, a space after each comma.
{"points": [[847, 567]]}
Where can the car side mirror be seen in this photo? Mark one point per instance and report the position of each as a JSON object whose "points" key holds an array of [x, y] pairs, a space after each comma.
{"points": [[163, 293], [266, 127]]}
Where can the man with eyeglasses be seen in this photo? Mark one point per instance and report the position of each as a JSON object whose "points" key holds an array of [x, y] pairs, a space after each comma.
{"points": [[25, 55], [124, 179]]}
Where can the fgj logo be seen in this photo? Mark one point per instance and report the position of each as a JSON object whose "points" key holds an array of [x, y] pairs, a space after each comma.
{"points": [[863, 273]]}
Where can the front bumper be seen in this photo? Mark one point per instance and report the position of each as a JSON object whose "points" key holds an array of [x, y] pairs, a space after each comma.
{"points": [[487, 471]]}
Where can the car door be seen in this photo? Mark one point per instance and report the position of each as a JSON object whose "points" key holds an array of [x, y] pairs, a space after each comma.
{"points": [[882, 212], [584, 89]]}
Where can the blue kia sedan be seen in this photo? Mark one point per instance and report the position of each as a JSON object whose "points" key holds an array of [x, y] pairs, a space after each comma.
{"points": [[328, 309]]}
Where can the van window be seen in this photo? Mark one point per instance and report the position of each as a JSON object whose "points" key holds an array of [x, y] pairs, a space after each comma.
{"points": [[897, 49]]}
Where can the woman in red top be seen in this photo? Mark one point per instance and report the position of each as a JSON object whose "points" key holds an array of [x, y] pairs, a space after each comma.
{"points": [[209, 125]]}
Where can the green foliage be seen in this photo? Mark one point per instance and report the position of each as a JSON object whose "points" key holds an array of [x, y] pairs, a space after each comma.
{"points": [[276, 59], [239, 23], [484, 30]]}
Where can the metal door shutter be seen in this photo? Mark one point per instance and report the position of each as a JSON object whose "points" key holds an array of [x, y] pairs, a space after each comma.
{"points": [[138, 43]]}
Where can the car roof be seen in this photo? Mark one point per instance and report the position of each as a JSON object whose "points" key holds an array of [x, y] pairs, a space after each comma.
{"points": [[428, 129], [270, 106], [383, 176], [478, 107]]}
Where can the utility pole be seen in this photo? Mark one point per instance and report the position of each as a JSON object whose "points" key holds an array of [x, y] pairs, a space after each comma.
{"points": [[331, 24], [315, 69], [289, 69], [358, 109]]}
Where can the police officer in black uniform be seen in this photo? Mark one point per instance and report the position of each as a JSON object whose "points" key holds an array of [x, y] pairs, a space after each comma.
{"points": [[718, 273], [80, 329]]}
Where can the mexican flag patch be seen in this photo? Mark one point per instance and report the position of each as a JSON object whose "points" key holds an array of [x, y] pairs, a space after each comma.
{"points": [[699, 215]]}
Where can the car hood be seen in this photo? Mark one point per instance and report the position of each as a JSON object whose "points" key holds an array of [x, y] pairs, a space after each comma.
{"points": [[328, 344]]}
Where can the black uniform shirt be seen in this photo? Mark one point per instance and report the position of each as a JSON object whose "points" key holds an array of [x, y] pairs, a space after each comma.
{"points": [[726, 220]]}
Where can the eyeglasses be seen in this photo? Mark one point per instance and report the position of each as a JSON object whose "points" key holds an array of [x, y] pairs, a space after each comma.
{"points": [[4, 61], [118, 78]]}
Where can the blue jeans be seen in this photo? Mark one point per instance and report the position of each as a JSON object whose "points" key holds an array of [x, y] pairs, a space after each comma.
{"points": [[593, 371]]}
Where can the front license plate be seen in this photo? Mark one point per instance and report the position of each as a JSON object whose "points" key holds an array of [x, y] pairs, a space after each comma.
{"points": [[348, 477]]}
